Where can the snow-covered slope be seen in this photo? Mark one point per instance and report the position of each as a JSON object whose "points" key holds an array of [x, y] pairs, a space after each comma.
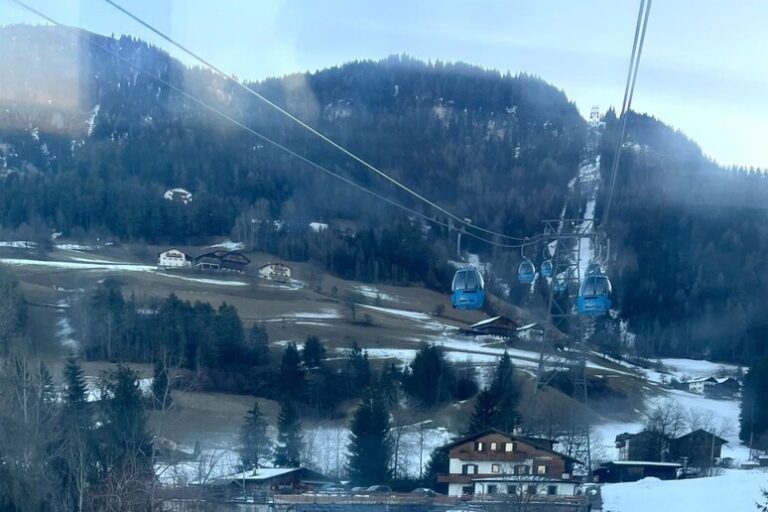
{"points": [[735, 490]]}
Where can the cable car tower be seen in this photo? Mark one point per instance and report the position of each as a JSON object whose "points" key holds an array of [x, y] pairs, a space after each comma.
{"points": [[575, 248]]}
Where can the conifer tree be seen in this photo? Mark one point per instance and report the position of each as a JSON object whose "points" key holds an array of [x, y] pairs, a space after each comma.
{"points": [[370, 441], [255, 445], [289, 436]]}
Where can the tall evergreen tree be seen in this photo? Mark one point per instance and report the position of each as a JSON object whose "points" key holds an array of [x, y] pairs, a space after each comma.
{"points": [[77, 444], [485, 414], [370, 441], [255, 445], [438, 464], [291, 372], [259, 341], [161, 390], [359, 368], [431, 378], [124, 424], [313, 353], [290, 439], [506, 395], [76, 394]]}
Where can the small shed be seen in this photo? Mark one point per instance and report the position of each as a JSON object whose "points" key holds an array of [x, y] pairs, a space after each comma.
{"points": [[633, 470], [495, 326], [275, 272]]}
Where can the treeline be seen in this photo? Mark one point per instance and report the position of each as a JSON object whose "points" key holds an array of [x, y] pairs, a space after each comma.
{"points": [[688, 239], [13, 313], [403, 251], [60, 451], [219, 353]]}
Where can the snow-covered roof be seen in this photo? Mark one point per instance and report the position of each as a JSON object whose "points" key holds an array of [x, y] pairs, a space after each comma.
{"points": [[701, 379], [262, 474], [527, 326], [486, 321], [643, 463]]}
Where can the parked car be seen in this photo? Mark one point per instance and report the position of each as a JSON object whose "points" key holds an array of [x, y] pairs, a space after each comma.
{"points": [[425, 491], [379, 488], [358, 489], [332, 490]]}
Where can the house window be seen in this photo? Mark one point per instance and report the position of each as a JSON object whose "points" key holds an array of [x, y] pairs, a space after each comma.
{"points": [[542, 469], [512, 489], [531, 489], [494, 447], [469, 469], [468, 489], [552, 490], [492, 489], [509, 447], [495, 468], [522, 470], [479, 446]]}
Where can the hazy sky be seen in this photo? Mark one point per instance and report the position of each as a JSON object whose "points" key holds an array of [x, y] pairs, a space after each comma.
{"points": [[704, 68]]}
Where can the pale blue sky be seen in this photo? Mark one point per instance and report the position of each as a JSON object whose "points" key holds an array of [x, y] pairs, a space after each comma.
{"points": [[704, 69]]}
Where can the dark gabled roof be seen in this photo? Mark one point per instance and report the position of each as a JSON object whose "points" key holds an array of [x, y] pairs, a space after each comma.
{"points": [[702, 431], [535, 442], [236, 254]]}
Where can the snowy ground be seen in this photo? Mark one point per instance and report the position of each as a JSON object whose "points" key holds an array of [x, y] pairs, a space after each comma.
{"points": [[324, 449], [735, 490], [372, 292], [683, 369], [229, 245], [93, 264]]}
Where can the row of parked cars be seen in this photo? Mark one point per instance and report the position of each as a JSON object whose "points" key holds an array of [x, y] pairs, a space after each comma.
{"points": [[340, 490]]}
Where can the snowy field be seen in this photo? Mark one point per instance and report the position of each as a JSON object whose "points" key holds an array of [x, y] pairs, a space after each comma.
{"points": [[735, 490], [683, 369], [93, 264]]}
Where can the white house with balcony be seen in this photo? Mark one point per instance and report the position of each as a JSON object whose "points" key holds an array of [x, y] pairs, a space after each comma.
{"points": [[492, 462], [173, 258]]}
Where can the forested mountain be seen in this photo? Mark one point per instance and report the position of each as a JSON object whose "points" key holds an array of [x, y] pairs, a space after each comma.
{"points": [[689, 240], [93, 143], [89, 145]]}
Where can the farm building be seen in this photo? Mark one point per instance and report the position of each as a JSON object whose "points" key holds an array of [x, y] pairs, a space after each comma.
{"points": [[222, 260], [702, 449], [634, 470], [173, 258], [265, 481], [275, 272], [495, 326]]}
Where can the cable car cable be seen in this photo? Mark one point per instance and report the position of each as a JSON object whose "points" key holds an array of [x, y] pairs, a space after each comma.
{"points": [[629, 90]]}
